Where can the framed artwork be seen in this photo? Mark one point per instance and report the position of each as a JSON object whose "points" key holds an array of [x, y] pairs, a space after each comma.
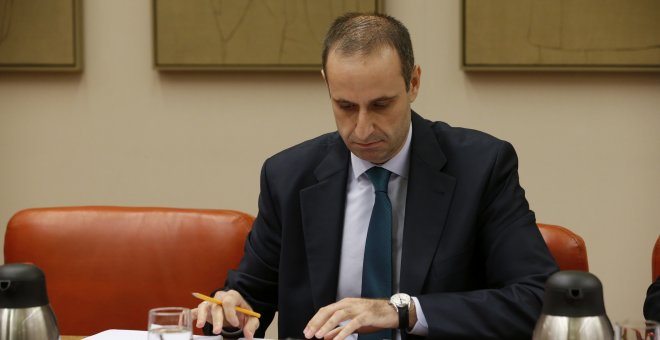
{"points": [[40, 35], [591, 35], [243, 34]]}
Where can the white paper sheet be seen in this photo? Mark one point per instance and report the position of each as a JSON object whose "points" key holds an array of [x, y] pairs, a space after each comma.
{"points": [[122, 334]]}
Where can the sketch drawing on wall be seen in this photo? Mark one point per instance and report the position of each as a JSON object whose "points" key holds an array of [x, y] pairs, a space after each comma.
{"points": [[556, 25], [40, 35], [5, 19], [584, 34], [245, 34]]}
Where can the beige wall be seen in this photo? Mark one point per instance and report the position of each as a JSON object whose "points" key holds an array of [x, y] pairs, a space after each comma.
{"points": [[121, 133]]}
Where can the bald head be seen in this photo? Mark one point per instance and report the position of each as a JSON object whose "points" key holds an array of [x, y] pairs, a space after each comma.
{"points": [[362, 34]]}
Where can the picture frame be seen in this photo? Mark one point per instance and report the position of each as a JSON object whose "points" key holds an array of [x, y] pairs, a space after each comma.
{"points": [[41, 35], [568, 35], [275, 35]]}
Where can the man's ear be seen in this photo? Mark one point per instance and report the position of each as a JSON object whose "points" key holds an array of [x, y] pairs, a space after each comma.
{"points": [[415, 81], [323, 75]]}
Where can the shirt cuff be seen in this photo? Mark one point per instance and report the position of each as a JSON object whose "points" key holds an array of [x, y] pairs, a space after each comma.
{"points": [[421, 327]]}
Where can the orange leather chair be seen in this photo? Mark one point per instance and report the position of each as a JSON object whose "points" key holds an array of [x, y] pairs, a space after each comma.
{"points": [[567, 247], [106, 267], [655, 262]]}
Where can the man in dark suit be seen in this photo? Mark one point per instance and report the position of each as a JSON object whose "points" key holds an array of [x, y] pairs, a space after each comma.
{"points": [[652, 302], [465, 249]]}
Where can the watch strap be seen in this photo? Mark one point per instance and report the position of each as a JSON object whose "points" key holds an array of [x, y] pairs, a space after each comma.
{"points": [[404, 315]]}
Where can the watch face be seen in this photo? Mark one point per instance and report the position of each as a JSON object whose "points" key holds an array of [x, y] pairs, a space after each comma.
{"points": [[400, 299]]}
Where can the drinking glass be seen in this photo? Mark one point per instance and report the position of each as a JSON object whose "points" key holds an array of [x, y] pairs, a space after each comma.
{"points": [[170, 323], [637, 330]]}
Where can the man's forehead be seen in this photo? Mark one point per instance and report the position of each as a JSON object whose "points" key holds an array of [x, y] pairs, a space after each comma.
{"points": [[338, 52]]}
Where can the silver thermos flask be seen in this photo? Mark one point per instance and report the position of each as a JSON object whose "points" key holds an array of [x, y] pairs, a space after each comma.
{"points": [[573, 308], [25, 313]]}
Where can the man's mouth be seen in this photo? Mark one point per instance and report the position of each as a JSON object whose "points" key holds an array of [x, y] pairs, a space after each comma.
{"points": [[368, 144]]}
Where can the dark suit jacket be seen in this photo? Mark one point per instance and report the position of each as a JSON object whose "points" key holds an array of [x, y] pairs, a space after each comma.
{"points": [[472, 253], [652, 302]]}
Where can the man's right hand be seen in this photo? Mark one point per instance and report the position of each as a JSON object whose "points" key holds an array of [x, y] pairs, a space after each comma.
{"points": [[225, 315]]}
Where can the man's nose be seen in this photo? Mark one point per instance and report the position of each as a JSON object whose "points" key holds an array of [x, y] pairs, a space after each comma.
{"points": [[364, 125]]}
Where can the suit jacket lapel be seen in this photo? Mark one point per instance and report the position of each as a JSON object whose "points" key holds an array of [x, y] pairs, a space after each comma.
{"points": [[430, 192], [322, 210]]}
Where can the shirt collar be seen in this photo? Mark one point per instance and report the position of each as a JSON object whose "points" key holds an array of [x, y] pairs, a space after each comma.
{"points": [[398, 164]]}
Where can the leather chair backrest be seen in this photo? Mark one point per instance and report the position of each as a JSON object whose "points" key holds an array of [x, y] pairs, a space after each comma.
{"points": [[655, 262], [567, 247], [106, 267]]}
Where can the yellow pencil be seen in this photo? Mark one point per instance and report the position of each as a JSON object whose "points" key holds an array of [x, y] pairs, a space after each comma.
{"points": [[216, 301]]}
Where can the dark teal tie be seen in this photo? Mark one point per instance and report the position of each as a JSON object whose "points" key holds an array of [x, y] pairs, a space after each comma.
{"points": [[377, 265]]}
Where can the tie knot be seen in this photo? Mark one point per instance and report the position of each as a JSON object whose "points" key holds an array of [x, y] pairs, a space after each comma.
{"points": [[379, 178]]}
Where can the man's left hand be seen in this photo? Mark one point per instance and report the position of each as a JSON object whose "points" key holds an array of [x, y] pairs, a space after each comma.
{"points": [[365, 315]]}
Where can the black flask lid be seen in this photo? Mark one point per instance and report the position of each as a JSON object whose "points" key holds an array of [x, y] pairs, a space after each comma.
{"points": [[22, 286], [573, 294]]}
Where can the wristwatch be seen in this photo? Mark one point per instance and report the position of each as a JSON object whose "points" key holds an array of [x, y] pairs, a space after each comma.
{"points": [[401, 302]]}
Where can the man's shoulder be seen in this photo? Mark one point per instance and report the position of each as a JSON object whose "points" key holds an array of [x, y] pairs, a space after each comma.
{"points": [[452, 138], [311, 151], [296, 167], [312, 146], [460, 151]]}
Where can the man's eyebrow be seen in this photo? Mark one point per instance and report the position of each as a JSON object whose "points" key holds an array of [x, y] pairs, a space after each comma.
{"points": [[383, 98], [340, 100]]}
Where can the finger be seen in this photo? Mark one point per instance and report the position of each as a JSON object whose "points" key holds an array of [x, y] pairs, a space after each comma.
{"points": [[250, 328], [319, 319], [218, 318], [315, 323], [335, 319], [200, 313], [333, 333], [340, 334], [359, 324], [229, 302], [353, 326]]}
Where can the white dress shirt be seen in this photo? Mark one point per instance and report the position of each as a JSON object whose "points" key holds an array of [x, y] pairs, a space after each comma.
{"points": [[359, 203]]}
